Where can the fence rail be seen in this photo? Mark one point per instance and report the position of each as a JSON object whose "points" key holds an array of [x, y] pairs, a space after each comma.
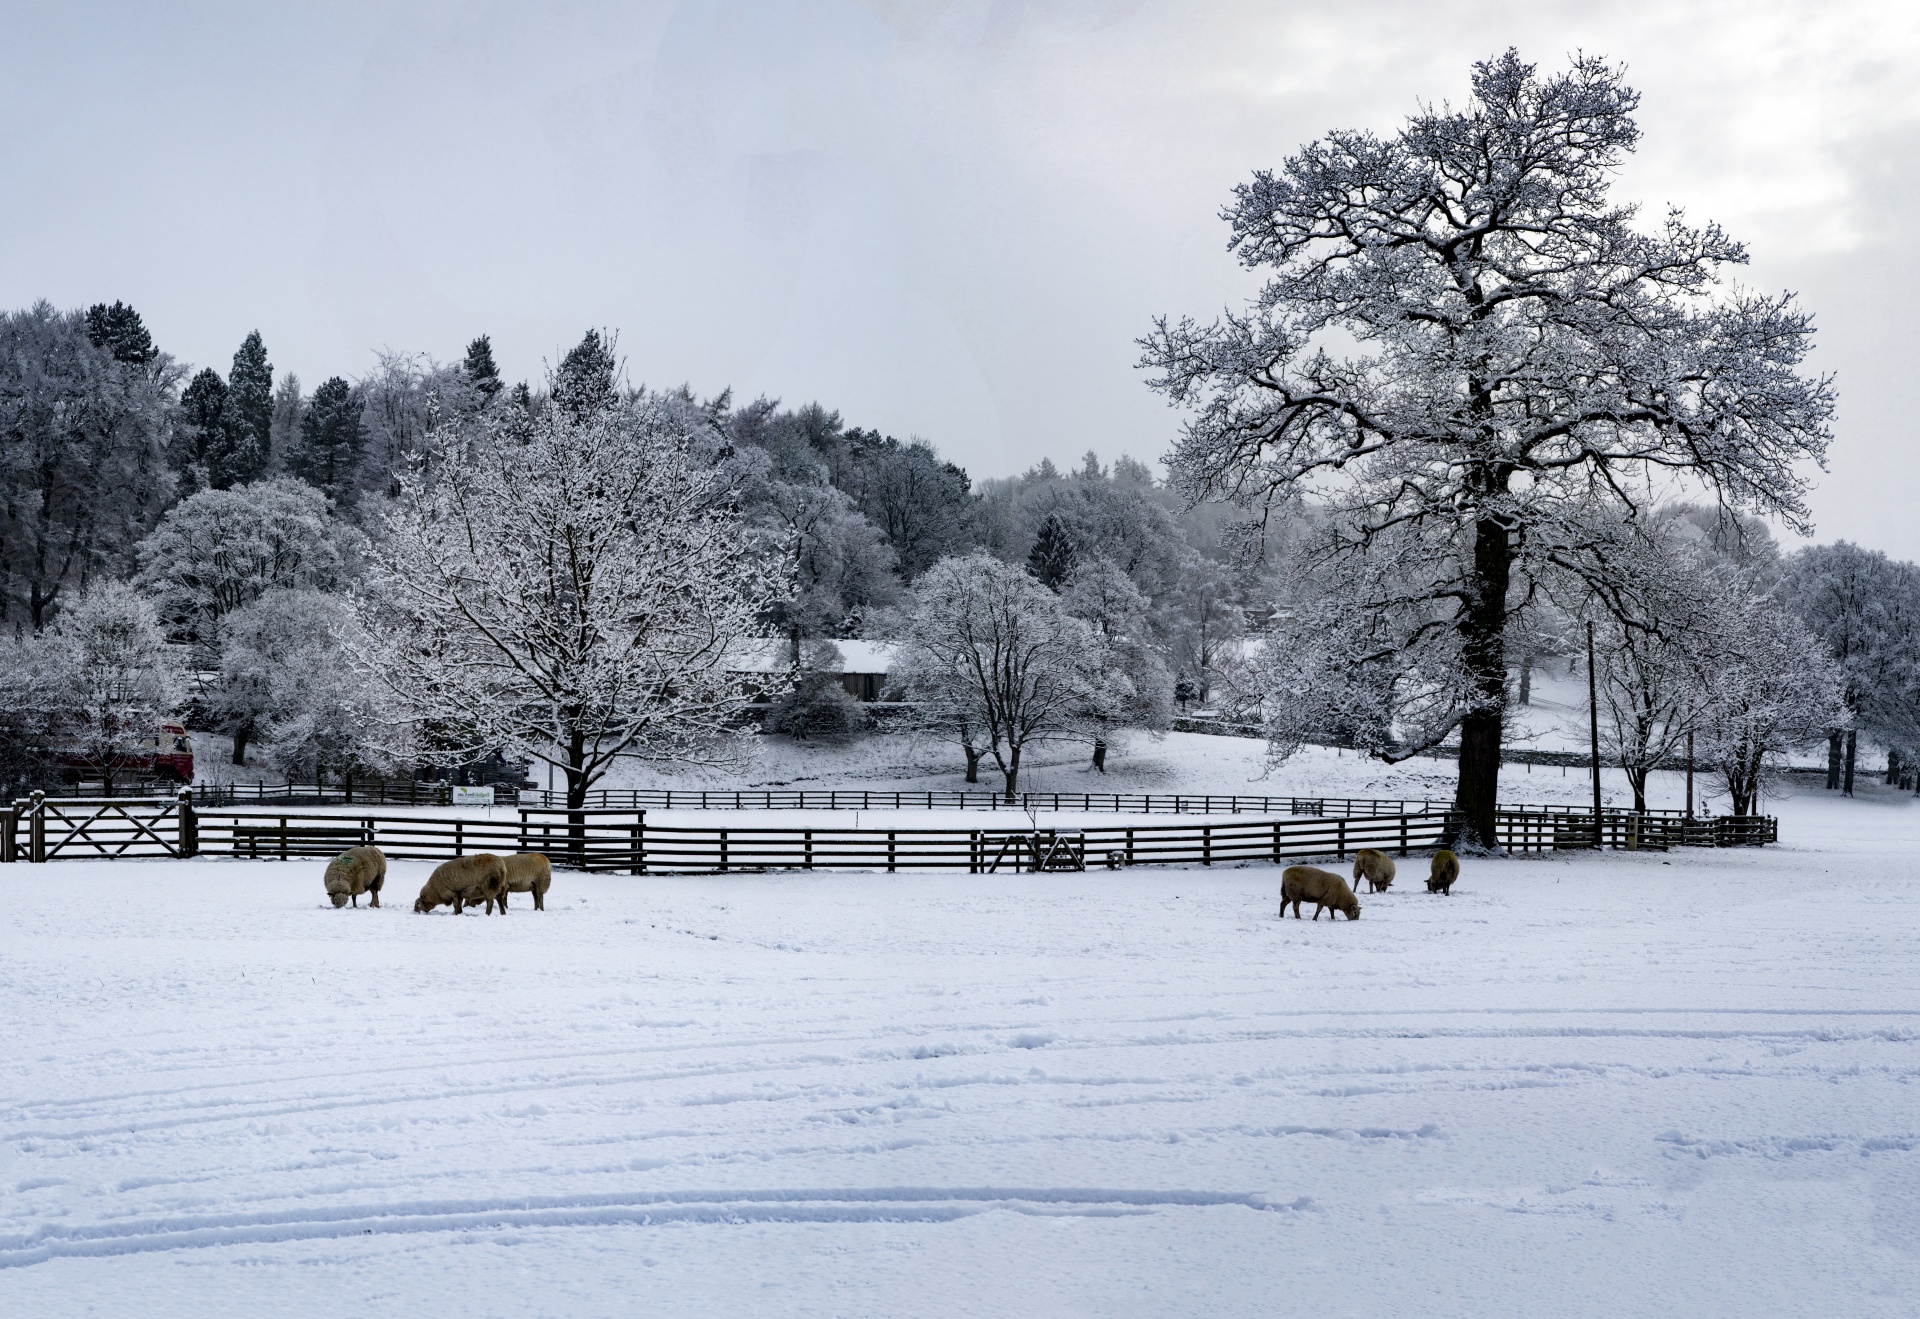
{"points": [[405, 792], [45, 829]]}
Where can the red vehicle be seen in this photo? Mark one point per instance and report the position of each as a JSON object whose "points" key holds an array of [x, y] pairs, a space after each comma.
{"points": [[165, 754]]}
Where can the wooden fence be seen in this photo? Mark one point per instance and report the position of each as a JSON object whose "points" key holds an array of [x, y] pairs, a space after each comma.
{"points": [[44, 829]]}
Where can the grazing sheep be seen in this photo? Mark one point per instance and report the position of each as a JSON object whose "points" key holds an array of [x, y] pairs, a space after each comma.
{"points": [[1323, 888], [1446, 869], [528, 872], [1375, 867], [355, 871], [466, 881]]}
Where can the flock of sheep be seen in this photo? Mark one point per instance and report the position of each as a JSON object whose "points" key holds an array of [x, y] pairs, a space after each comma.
{"points": [[470, 881], [1328, 892], [465, 881]]}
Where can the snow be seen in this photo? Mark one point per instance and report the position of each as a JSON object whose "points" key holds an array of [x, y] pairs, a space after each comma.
{"points": [[1592, 1085]]}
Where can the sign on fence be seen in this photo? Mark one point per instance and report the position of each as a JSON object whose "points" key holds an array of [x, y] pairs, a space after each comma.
{"points": [[472, 796]]}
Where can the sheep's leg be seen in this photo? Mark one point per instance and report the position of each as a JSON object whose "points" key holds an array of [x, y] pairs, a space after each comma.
{"points": [[539, 900], [459, 903]]}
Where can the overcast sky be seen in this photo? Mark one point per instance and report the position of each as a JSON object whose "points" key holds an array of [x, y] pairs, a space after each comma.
{"points": [[948, 220]]}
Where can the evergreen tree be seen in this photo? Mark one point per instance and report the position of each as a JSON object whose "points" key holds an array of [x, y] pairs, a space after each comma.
{"points": [[480, 367], [247, 441], [586, 380], [1051, 558], [331, 438], [203, 406], [121, 332]]}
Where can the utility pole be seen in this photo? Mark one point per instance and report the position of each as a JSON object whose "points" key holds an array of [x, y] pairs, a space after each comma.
{"points": [[1593, 734]]}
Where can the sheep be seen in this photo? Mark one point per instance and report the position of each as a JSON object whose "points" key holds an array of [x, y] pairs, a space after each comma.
{"points": [[1446, 869], [528, 872], [355, 871], [1325, 889], [1375, 867], [466, 881]]}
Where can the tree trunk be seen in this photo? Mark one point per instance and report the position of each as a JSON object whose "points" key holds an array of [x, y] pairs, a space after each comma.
{"points": [[240, 737], [973, 761], [1013, 773], [1893, 767], [1637, 780], [1833, 759], [1853, 745], [1477, 790], [577, 798], [1100, 754], [1526, 680]]}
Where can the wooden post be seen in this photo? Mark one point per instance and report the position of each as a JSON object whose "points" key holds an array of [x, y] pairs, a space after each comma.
{"points": [[1403, 834], [1343, 838], [889, 851], [1206, 844], [1593, 735], [37, 827], [723, 850], [807, 838], [1689, 814], [189, 825], [7, 833]]}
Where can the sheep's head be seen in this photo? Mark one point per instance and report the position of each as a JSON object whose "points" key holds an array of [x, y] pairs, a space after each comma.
{"points": [[420, 904], [1353, 912], [339, 899]]}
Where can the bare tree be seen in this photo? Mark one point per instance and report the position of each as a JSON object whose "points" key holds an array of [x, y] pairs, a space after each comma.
{"points": [[1528, 363], [567, 588], [995, 658]]}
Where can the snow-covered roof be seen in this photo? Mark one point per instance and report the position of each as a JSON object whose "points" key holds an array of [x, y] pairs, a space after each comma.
{"points": [[772, 656]]}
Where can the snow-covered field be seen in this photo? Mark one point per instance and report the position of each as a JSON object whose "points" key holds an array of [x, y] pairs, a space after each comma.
{"points": [[1619, 1085]]}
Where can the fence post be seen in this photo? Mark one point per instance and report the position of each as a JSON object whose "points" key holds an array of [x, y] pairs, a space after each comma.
{"points": [[6, 835], [1276, 842], [1206, 844], [889, 851], [37, 827], [723, 850], [189, 825], [459, 837], [1343, 838], [807, 838], [1403, 833]]}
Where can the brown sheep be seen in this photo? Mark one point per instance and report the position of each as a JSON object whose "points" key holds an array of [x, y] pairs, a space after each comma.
{"points": [[1323, 888], [1446, 869], [1375, 867], [528, 872], [466, 881], [355, 871]]}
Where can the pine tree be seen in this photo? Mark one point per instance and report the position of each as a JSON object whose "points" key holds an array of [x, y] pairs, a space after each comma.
{"points": [[203, 407], [480, 367], [586, 380], [121, 332], [331, 438], [1051, 558], [248, 416]]}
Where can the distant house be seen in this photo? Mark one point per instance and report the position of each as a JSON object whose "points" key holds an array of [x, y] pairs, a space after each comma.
{"points": [[863, 668]]}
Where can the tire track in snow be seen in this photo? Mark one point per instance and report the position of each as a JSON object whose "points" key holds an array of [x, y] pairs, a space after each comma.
{"points": [[922, 1204]]}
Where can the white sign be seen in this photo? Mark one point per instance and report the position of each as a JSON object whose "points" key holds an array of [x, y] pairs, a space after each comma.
{"points": [[472, 796]]}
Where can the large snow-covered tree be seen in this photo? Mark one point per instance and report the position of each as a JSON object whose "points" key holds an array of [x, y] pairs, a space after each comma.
{"points": [[993, 658], [83, 472], [220, 549], [286, 678], [1865, 610], [107, 677], [1770, 690], [567, 588], [1474, 358]]}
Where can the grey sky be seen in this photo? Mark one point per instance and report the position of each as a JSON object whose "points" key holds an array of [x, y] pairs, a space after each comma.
{"points": [[945, 219]]}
